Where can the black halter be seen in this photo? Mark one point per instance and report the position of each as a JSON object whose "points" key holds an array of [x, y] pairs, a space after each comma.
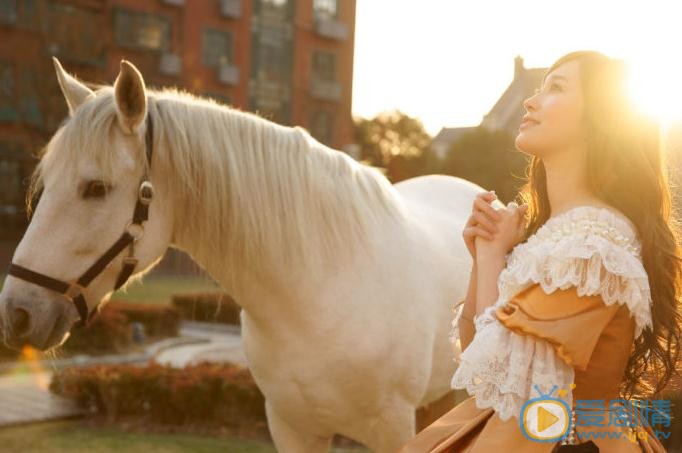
{"points": [[134, 231]]}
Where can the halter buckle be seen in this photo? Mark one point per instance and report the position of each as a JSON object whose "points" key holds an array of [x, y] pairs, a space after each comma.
{"points": [[146, 192], [74, 290], [130, 260], [135, 230]]}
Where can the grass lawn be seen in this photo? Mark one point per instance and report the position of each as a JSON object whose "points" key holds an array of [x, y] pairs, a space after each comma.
{"points": [[73, 436], [69, 436], [161, 289]]}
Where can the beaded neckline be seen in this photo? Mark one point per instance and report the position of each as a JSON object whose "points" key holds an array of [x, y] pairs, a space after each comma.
{"points": [[604, 221], [597, 213]]}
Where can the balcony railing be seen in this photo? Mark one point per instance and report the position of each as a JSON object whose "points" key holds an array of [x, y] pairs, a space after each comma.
{"points": [[325, 90], [231, 8], [228, 74], [170, 64], [331, 28]]}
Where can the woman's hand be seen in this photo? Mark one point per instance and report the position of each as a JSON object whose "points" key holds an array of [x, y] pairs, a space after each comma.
{"points": [[511, 230], [482, 221]]}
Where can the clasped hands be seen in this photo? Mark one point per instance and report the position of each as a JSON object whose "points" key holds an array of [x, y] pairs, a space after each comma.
{"points": [[493, 231]]}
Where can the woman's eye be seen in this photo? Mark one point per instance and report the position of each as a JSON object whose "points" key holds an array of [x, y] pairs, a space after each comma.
{"points": [[96, 189], [555, 85]]}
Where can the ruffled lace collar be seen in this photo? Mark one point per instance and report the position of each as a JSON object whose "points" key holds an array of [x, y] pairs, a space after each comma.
{"points": [[607, 220], [595, 249]]}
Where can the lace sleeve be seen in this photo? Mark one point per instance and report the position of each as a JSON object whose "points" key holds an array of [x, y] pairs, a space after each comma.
{"points": [[591, 249], [500, 368]]}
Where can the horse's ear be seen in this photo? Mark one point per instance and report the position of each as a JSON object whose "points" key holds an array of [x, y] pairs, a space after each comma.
{"points": [[131, 98], [75, 92]]}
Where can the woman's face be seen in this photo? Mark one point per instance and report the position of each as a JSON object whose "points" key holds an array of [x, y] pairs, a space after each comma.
{"points": [[555, 113]]}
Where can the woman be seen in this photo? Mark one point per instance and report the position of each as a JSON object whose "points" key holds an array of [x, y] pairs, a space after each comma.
{"points": [[573, 295]]}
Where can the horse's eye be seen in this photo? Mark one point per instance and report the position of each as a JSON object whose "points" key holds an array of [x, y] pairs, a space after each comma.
{"points": [[96, 189]]}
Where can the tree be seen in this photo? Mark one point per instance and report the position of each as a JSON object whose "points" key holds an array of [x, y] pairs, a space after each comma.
{"points": [[395, 141], [489, 159]]}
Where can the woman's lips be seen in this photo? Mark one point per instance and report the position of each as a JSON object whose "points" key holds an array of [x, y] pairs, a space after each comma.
{"points": [[526, 123]]}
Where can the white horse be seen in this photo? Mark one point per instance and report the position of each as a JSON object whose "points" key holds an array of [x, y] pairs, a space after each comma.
{"points": [[345, 281]]}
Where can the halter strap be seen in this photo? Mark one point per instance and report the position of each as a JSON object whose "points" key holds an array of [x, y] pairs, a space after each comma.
{"points": [[134, 231]]}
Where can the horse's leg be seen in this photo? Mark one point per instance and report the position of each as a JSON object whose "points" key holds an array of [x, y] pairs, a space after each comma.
{"points": [[290, 440], [393, 429]]}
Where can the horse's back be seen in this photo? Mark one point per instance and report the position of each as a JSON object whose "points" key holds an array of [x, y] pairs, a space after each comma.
{"points": [[449, 196]]}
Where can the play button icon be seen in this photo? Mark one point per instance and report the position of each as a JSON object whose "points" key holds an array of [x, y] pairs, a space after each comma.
{"points": [[545, 420]]}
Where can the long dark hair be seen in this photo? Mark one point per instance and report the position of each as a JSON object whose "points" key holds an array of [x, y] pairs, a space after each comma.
{"points": [[625, 150]]}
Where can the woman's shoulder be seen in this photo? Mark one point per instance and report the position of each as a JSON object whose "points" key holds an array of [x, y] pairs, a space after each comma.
{"points": [[587, 220], [593, 248]]}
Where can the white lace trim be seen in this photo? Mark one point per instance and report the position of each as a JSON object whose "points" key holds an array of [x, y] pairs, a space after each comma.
{"points": [[594, 249], [501, 368]]}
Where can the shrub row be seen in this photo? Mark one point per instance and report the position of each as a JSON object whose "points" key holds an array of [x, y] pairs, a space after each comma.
{"points": [[159, 320], [220, 394], [110, 331], [207, 307]]}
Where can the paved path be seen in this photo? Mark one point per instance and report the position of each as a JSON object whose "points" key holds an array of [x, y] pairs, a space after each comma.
{"points": [[25, 398]]}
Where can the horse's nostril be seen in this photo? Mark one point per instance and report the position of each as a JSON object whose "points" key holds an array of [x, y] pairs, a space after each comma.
{"points": [[20, 322]]}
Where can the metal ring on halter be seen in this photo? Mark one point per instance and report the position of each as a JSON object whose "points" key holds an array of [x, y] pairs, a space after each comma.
{"points": [[512, 203], [146, 192], [133, 228], [74, 290]]}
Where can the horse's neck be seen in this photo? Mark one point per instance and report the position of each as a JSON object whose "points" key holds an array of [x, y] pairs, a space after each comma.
{"points": [[294, 279]]}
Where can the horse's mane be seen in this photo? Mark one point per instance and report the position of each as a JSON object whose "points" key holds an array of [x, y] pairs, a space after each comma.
{"points": [[265, 195]]}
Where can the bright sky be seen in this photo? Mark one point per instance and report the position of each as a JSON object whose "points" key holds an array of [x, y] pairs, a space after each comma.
{"points": [[448, 61]]}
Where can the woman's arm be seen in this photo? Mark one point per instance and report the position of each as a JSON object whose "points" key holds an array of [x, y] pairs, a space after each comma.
{"points": [[490, 264], [466, 319]]}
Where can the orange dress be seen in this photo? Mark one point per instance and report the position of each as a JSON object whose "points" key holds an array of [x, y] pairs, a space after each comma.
{"points": [[570, 306]]}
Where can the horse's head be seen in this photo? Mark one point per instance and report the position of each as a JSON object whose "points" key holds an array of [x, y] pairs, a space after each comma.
{"points": [[90, 176]]}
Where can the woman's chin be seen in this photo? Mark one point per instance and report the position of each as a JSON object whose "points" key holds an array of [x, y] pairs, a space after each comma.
{"points": [[524, 145]]}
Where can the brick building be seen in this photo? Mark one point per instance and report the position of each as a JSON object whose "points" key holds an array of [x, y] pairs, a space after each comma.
{"points": [[289, 60]]}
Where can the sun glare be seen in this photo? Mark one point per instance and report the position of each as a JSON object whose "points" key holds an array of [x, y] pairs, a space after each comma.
{"points": [[656, 89]]}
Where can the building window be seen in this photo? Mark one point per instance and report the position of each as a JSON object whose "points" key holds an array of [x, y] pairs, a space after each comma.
{"points": [[29, 104], [8, 11], [326, 8], [273, 9], [217, 48], [322, 126], [13, 171], [8, 111], [76, 34], [141, 30], [275, 3], [324, 66]]}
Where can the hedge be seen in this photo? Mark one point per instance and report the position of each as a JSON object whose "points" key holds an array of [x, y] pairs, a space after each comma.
{"points": [[108, 332], [159, 320], [207, 307], [219, 394]]}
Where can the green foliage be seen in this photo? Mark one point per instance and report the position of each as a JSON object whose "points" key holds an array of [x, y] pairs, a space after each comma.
{"points": [[160, 289], [489, 159], [395, 141]]}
